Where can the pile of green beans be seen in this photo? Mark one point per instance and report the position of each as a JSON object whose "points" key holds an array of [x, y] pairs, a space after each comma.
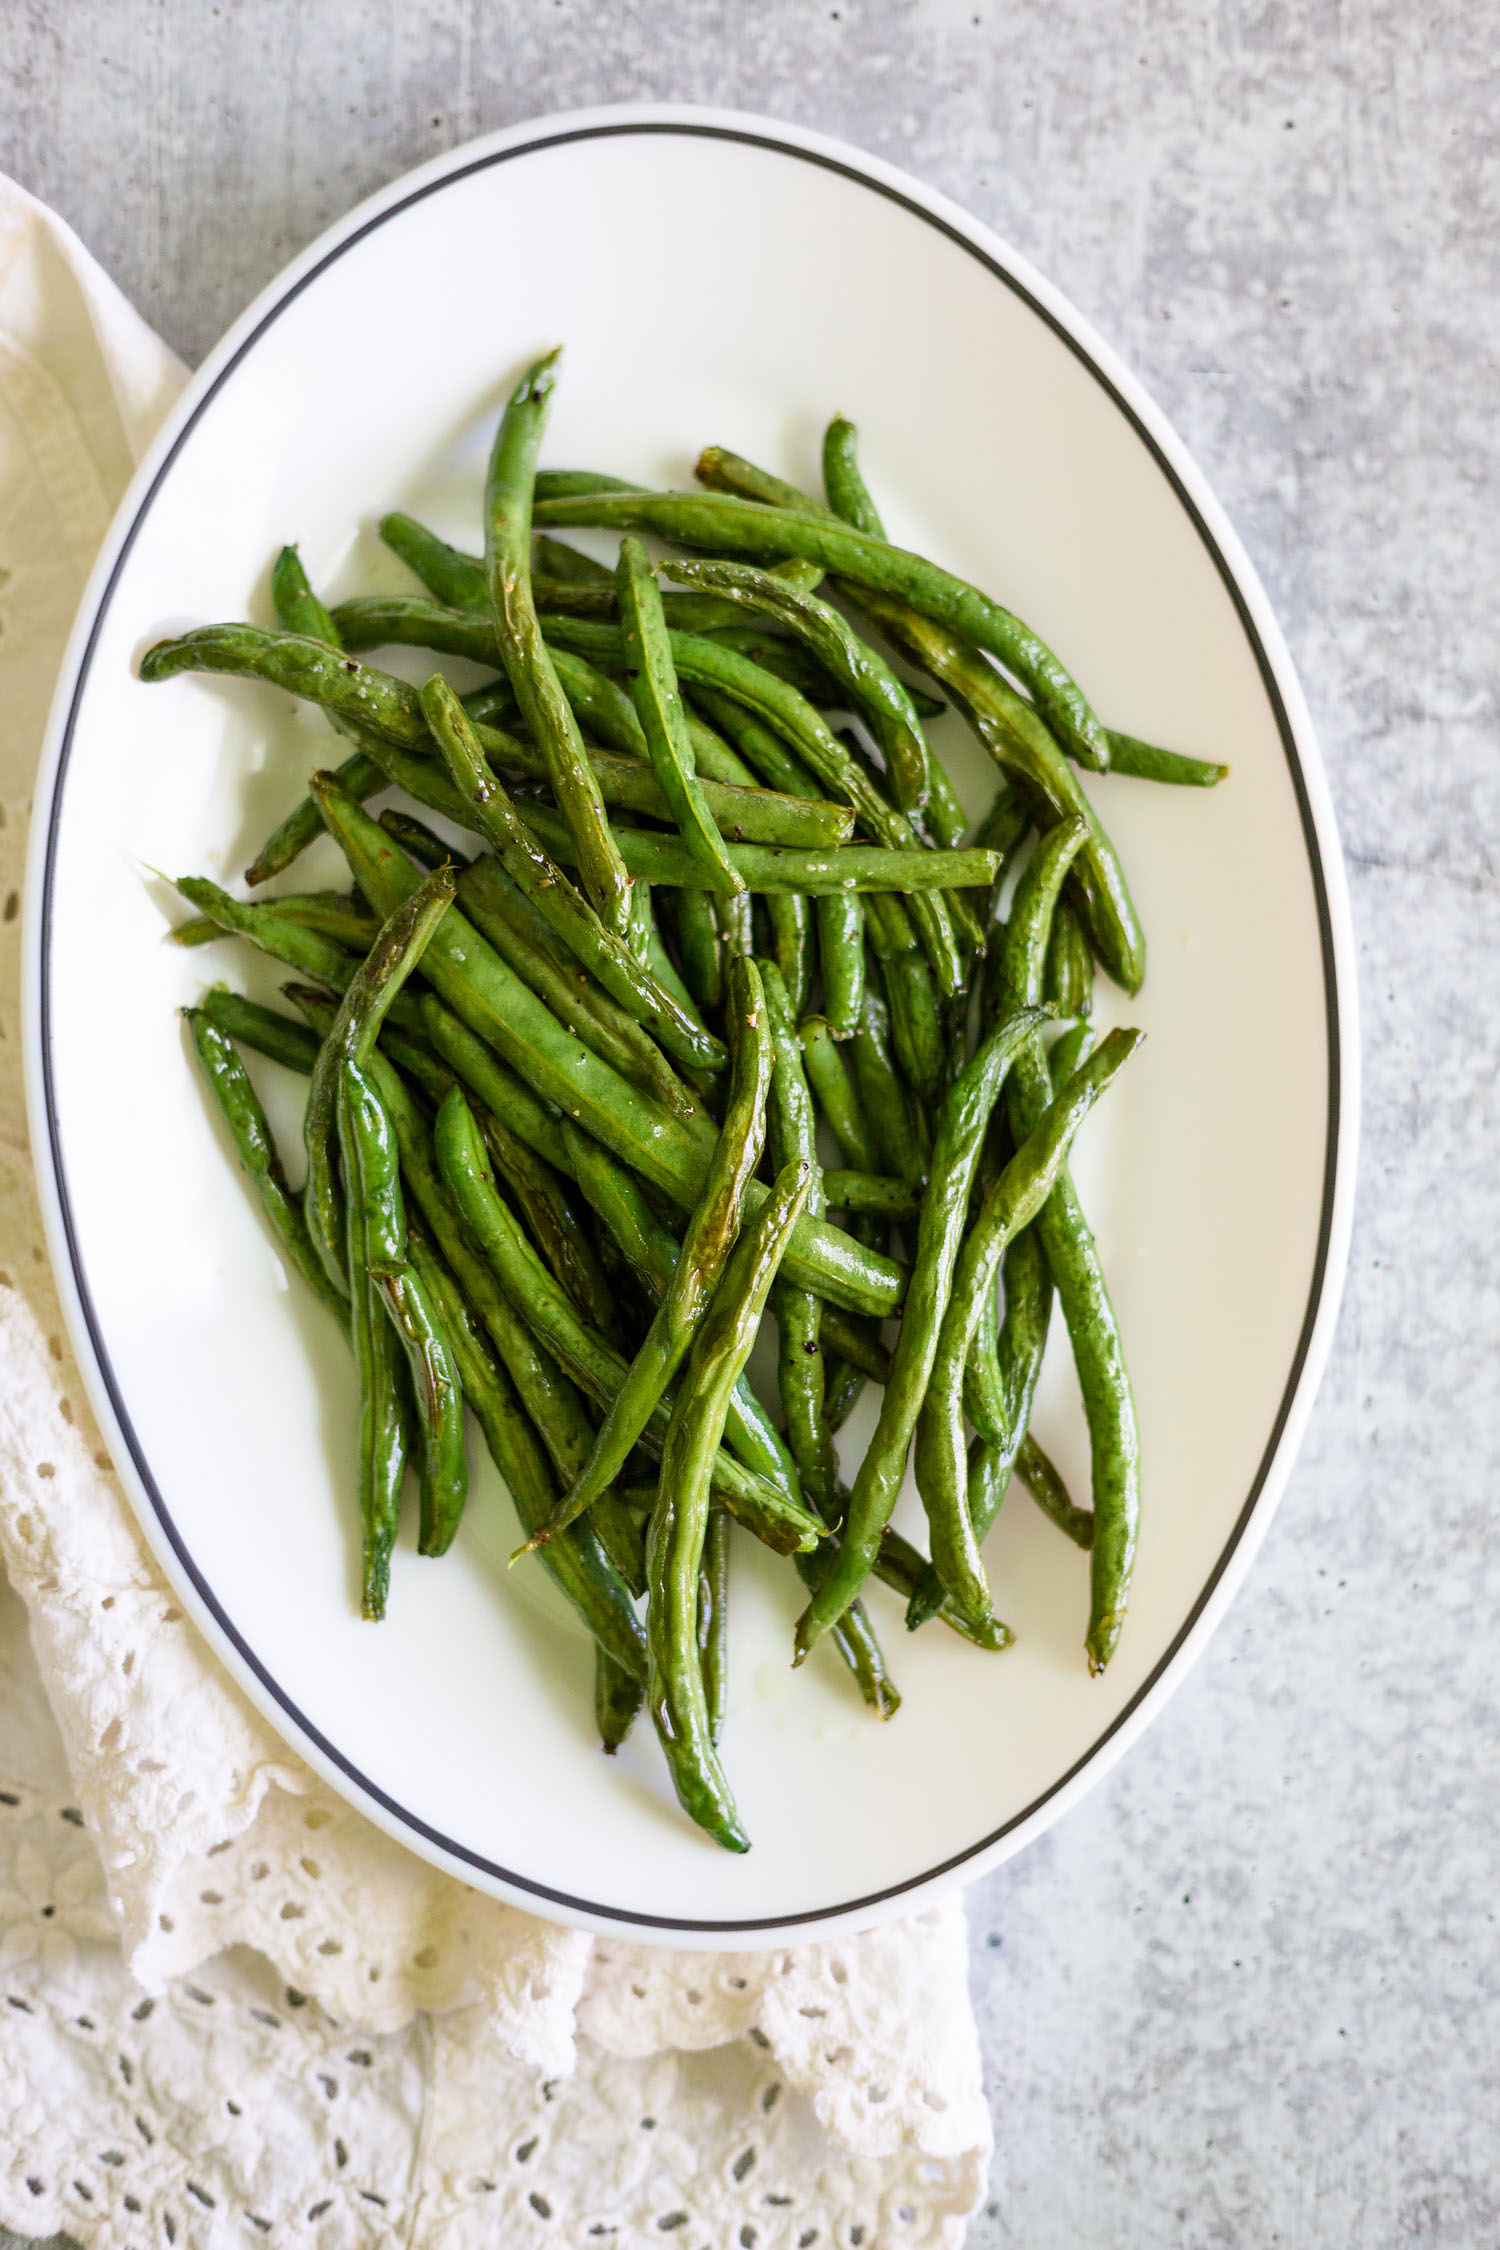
{"points": [[697, 1004]]}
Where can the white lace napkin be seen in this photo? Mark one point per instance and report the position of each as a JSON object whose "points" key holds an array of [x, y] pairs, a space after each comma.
{"points": [[398, 2057]]}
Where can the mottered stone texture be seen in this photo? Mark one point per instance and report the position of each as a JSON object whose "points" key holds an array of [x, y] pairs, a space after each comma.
{"points": [[1248, 1993]]}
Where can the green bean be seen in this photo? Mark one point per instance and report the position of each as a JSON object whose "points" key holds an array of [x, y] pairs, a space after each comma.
{"points": [[473, 981], [1041, 1479], [372, 1168], [710, 1236], [201, 930], [419, 842], [918, 873], [492, 705], [557, 560], [653, 678], [1015, 1200], [915, 1031], [363, 776], [840, 918], [721, 524], [857, 1643], [1128, 754], [553, 483], [402, 940], [792, 1138], [325, 914], [526, 942], [837, 1099], [297, 606], [348, 691], [713, 1621], [778, 655], [1114, 1441], [451, 576], [1018, 1363], [854, 1339], [901, 1567], [576, 1562], [801, 1373], [849, 498], [254, 1143], [704, 662], [270, 1033], [649, 1246], [623, 1538], [1007, 822], [791, 931], [617, 1700], [1004, 829], [763, 1507], [413, 1055], [871, 1191], [389, 709], [277, 934], [1068, 1051], [601, 949], [674, 1542], [735, 917], [663, 967], [961, 1124], [384, 1414], [898, 1125], [690, 613], [528, 665], [869, 685], [1068, 979], [299, 610], [702, 947], [637, 934]]}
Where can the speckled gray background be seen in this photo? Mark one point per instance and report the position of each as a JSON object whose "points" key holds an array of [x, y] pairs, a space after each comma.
{"points": [[1248, 1993]]}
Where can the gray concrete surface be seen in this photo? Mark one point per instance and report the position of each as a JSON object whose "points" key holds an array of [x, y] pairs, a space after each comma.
{"points": [[1248, 1994]]}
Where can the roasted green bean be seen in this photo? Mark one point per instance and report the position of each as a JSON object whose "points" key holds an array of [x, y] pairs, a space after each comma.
{"points": [[1012, 1203], [658, 705], [372, 1170], [528, 665], [253, 1140], [1093, 1331], [404, 937], [384, 1412]]}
